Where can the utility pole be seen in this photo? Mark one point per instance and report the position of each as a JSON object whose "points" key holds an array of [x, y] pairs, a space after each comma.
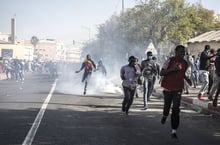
{"points": [[122, 7]]}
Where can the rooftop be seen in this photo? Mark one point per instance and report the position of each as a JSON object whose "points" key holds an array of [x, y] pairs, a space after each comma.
{"points": [[207, 37]]}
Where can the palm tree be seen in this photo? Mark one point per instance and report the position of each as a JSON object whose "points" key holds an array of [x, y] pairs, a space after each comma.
{"points": [[34, 41]]}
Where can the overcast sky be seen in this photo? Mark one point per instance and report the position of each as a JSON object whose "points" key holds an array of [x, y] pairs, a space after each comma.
{"points": [[65, 20]]}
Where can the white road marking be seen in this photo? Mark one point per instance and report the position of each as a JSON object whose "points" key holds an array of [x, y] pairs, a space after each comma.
{"points": [[31, 134]]}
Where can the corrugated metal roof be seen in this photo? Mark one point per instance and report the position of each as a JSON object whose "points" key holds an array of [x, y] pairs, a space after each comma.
{"points": [[206, 37]]}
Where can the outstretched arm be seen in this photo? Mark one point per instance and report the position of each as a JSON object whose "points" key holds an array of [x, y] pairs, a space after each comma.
{"points": [[82, 67]]}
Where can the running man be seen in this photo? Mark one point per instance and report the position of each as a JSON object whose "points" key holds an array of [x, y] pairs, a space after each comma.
{"points": [[88, 66]]}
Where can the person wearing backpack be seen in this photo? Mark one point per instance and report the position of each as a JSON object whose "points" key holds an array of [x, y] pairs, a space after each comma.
{"points": [[173, 72], [88, 66], [149, 71]]}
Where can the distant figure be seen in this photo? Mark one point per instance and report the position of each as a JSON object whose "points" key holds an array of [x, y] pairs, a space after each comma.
{"points": [[157, 76], [195, 71], [149, 71], [139, 80], [211, 70], [189, 60], [204, 70], [88, 65], [216, 80], [101, 68], [173, 72], [129, 75]]}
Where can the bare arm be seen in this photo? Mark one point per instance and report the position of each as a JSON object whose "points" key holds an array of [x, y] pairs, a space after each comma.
{"points": [[82, 66]]}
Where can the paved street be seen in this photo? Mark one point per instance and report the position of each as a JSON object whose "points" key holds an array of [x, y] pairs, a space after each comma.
{"points": [[94, 119]]}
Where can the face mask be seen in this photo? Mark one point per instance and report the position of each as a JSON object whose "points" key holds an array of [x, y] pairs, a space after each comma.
{"points": [[150, 57]]}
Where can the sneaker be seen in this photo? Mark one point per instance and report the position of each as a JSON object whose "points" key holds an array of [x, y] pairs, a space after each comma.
{"points": [[174, 136], [145, 108], [214, 103], [187, 92], [126, 112], [163, 120], [210, 98], [200, 96]]}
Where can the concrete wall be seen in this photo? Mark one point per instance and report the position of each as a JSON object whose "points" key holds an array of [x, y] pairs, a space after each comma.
{"points": [[19, 51], [198, 47]]}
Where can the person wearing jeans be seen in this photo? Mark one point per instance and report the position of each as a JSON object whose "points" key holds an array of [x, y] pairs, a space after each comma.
{"points": [[148, 90], [129, 75], [204, 70], [89, 66], [204, 76], [149, 71]]}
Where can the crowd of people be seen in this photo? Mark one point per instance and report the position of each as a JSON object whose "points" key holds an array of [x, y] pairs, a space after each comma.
{"points": [[15, 69], [177, 74]]}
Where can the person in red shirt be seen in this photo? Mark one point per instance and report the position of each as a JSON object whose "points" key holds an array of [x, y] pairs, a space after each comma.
{"points": [[88, 65], [173, 72]]}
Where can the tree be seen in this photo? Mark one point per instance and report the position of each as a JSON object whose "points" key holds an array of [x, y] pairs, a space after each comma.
{"points": [[160, 22], [34, 42]]}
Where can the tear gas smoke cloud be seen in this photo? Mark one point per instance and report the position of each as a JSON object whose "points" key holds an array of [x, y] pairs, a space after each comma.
{"points": [[71, 82]]}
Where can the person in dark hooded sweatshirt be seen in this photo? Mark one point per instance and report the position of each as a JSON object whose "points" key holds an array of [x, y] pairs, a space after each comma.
{"points": [[204, 70], [216, 80]]}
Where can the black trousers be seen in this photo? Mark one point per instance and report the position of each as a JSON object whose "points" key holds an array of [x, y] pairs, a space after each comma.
{"points": [[172, 98], [86, 77], [128, 98]]}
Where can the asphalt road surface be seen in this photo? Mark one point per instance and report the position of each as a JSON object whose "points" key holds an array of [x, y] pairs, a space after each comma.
{"points": [[35, 112]]}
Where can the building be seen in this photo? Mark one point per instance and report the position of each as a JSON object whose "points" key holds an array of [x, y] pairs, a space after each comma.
{"points": [[50, 50], [11, 47], [14, 48], [196, 44], [73, 54], [45, 49], [16, 51]]}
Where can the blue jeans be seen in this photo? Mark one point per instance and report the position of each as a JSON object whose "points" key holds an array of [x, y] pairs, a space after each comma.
{"points": [[204, 75], [148, 89], [128, 98], [195, 78]]}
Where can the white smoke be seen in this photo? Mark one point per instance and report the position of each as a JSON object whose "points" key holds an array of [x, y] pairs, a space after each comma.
{"points": [[70, 82]]}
